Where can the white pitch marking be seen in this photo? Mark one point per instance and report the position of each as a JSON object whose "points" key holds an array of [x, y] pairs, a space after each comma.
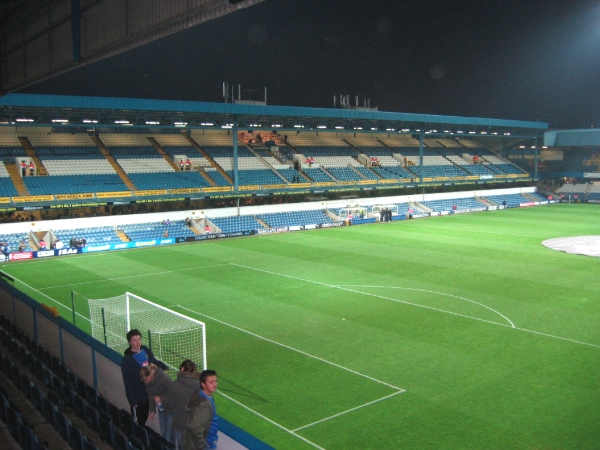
{"points": [[287, 430], [295, 350], [557, 337], [427, 307], [431, 292], [347, 411], [378, 296], [133, 276]]}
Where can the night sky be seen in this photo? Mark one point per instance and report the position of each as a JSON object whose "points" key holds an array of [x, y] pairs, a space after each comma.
{"points": [[533, 60]]}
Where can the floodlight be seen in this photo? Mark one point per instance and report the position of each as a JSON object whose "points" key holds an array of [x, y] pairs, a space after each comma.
{"points": [[23, 119], [89, 121], [60, 120], [152, 122], [339, 127], [122, 122]]}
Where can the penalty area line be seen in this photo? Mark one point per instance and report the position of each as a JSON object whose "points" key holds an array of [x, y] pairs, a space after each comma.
{"points": [[287, 430], [348, 411], [318, 358]]}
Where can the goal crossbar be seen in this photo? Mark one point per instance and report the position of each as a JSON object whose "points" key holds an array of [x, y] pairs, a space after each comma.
{"points": [[172, 336]]}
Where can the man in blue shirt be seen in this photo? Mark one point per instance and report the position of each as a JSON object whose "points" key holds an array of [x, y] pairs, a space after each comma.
{"points": [[202, 422], [136, 357]]}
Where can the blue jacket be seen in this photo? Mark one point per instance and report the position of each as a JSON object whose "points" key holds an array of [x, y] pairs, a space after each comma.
{"points": [[130, 370]]}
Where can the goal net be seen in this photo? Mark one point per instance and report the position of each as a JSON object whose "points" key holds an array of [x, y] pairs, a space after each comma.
{"points": [[354, 211], [172, 337]]}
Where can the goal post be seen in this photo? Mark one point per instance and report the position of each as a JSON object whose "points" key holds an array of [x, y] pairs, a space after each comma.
{"points": [[172, 337], [354, 211]]}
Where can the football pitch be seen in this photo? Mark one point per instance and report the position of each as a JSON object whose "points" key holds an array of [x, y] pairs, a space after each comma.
{"points": [[454, 332]]}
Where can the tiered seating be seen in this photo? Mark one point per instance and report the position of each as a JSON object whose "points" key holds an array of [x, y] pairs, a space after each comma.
{"points": [[236, 223], [476, 169], [317, 175], [344, 174], [447, 205], [19, 428], [75, 164], [79, 414], [511, 200], [295, 218], [146, 164], [568, 188], [331, 156], [265, 154], [290, 174], [156, 230], [367, 173], [7, 187], [470, 169], [168, 180], [393, 172], [74, 184], [196, 159], [13, 240], [93, 235], [10, 146], [217, 177], [60, 140], [263, 176], [287, 152], [438, 171]]}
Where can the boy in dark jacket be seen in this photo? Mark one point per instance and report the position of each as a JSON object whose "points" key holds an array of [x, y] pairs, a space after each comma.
{"points": [[136, 357], [201, 425]]}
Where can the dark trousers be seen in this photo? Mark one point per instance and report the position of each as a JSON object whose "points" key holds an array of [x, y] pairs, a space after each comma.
{"points": [[140, 413]]}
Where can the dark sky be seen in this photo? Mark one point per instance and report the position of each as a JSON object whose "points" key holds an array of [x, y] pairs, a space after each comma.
{"points": [[524, 60]]}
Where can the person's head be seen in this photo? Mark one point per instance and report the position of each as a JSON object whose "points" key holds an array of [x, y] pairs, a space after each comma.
{"points": [[147, 373], [134, 337], [187, 366], [208, 381]]}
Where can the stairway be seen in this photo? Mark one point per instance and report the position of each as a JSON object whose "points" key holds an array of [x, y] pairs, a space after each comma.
{"points": [[16, 178], [113, 163], [41, 170], [212, 162], [162, 153]]}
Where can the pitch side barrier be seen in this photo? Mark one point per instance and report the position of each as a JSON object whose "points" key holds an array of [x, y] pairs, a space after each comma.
{"points": [[95, 363]]}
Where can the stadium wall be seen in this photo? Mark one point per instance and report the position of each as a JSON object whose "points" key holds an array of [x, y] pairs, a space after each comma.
{"points": [[62, 224]]}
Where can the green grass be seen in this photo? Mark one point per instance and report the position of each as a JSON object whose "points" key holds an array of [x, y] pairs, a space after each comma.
{"points": [[456, 332]]}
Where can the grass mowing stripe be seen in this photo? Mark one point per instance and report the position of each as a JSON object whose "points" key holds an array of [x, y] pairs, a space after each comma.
{"points": [[341, 287], [295, 350], [150, 274]]}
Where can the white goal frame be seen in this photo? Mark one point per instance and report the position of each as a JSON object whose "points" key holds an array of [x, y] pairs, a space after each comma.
{"points": [[111, 319]]}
